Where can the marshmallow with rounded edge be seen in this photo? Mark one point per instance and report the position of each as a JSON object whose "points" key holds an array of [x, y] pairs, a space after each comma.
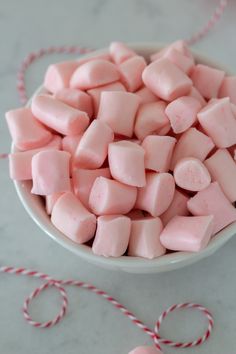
{"points": [[218, 121], [192, 143], [158, 152], [145, 238], [126, 161], [178, 206], [228, 88], [146, 95], [112, 235], [187, 233], [73, 219], [83, 181], [150, 119], [94, 73], [222, 168], [93, 146], [145, 350], [207, 80], [26, 131], [95, 93], [59, 116], [120, 52], [179, 45], [50, 172], [109, 197], [77, 99], [131, 72], [212, 201], [158, 193], [118, 110], [20, 162], [196, 94], [166, 80], [58, 75], [183, 62], [191, 174], [182, 113]]}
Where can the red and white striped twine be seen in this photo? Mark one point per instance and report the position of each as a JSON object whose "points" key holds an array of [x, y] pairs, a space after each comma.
{"points": [[59, 285]]}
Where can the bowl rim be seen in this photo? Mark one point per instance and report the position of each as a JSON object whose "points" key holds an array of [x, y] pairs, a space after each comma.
{"points": [[163, 263]]}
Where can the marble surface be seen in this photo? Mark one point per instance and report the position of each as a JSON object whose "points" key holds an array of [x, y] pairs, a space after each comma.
{"points": [[91, 325]]}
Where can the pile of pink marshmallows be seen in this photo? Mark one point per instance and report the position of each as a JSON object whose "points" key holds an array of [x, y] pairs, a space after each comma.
{"points": [[135, 157]]}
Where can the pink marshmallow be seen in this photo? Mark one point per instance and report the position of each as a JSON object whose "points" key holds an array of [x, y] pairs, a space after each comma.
{"points": [[50, 172], [50, 201], [179, 45], [77, 99], [207, 80], [182, 113], [109, 197], [158, 152], [191, 174], [166, 80], [26, 132], [95, 93], [228, 88], [222, 168], [93, 146], [83, 181], [94, 73], [182, 61], [118, 110], [145, 350], [146, 95], [196, 94], [20, 162], [150, 119], [58, 75], [73, 219], [212, 201], [112, 235], [192, 143], [145, 238], [158, 193], [177, 207], [187, 233], [120, 52], [131, 72], [126, 161], [218, 121], [70, 143], [59, 116]]}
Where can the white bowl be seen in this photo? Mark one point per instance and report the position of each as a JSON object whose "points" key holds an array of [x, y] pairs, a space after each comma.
{"points": [[35, 208]]}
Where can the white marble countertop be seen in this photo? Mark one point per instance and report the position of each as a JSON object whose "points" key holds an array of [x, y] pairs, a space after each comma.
{"points": [[91, 325]]}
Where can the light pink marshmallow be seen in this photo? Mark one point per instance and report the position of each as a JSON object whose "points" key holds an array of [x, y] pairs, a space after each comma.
{"points": [[182, 113], [145, 350], [150, 119], [120, 52], [59, 116], [58, 75], [192, 143], [191, 174], [50, 172], [118, 110], [207, 80], [166, 80], [94, 73], [212, 201], [109, 197], [228, 88], [187, 233], [183, 62], [222, 168], [131, 72], [27, 132], [83, 181], [112, 235], [77, 99], [218, 121], [158, 152], [146, 95], [73, 219], [179, 45], [93, 146], [177, 207], [145, 238], [158, 193], [126, 162], [196, 94], [50, 201]]}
